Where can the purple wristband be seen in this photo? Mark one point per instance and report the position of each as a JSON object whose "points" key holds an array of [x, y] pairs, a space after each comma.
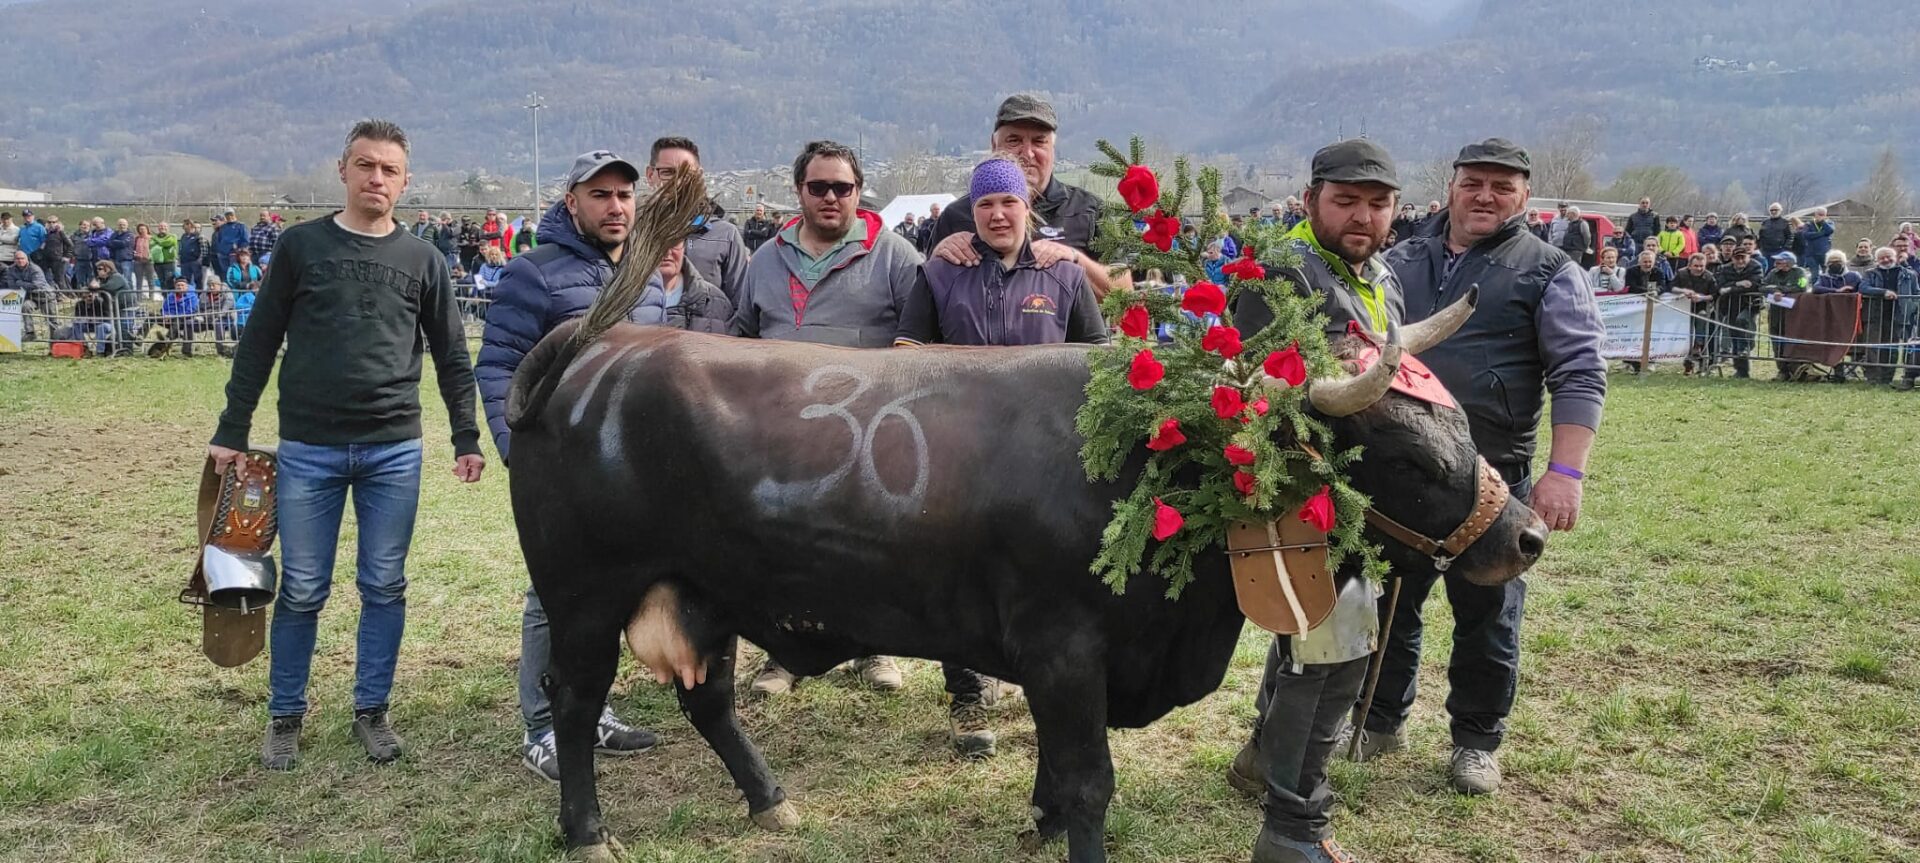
{"points": [[1563, 470]]}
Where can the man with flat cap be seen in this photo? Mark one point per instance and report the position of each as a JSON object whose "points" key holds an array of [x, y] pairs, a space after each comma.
{"points": [[1535, 331], [1312, 680], [1025, 127], [581, 238]]}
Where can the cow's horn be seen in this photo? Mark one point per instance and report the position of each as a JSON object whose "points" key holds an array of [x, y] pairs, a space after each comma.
{"points": [[1417, 337], [1340, 397]]}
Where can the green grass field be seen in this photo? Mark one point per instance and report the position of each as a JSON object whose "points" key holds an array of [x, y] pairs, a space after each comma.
{"points": [[1721, 664]]}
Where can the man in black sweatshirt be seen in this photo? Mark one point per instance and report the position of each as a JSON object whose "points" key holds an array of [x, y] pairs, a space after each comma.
{"points": [[351, 297]]}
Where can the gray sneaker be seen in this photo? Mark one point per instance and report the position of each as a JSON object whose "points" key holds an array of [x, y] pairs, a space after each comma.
{"points": [[371, 728], [1372, 743], [613, 737], [1474, 771], [539, 755], [282, 746]]}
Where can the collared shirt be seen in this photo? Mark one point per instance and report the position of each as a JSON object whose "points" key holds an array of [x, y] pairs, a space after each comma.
{"points": [[814, 268]]}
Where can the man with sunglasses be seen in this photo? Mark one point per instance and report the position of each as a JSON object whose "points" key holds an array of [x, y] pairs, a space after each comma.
{"points": [[834, 276], [1026, 127], [715, 250]]}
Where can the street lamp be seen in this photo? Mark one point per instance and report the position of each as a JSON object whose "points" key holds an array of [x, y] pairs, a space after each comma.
{"points": [[534, 104]]}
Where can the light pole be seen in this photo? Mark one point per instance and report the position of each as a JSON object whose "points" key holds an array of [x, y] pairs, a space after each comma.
{"points": [[534, 104]]}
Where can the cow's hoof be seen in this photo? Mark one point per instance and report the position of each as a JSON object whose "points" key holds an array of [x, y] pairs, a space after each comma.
{"points": [[778, 819], [610, 851]]}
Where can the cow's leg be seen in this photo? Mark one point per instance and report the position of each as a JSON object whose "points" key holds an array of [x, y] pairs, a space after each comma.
{"points": [[1048, 823], [1069, 707], [709, 706], [586, 652]]}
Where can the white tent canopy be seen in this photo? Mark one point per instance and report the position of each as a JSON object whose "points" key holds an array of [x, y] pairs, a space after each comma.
{"points": [[898, 208]]}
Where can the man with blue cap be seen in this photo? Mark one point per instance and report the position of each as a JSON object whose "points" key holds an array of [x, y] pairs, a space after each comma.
{"points": [[1785, 279]]}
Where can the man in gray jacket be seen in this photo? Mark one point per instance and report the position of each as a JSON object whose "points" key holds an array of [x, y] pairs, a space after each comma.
{"points": [[838, 277], [1536, 327], [716, 250]]}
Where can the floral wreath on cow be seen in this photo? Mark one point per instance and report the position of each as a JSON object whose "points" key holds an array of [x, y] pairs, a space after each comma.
{"points": [[1222, 415]]}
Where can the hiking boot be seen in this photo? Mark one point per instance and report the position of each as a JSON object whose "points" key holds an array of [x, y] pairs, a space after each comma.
{"points": [[282, 747], [614, 737], [539, 755], [371, 728], [1270, 848], [879, 672], [1244, 773], [1474, 771], [969, 734], [772, 680], [995, 692], [1372, 743]]}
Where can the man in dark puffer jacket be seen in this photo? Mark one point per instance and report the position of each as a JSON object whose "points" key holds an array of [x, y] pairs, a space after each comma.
{"points": [[580, 243]]}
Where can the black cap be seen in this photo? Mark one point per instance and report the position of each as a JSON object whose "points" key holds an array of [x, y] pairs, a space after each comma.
{"points": [[1353, 161], [1026, 108], [588, 164], [1496, 151]]}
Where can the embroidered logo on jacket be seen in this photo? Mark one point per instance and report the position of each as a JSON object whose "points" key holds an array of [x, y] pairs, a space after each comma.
{"points": [[1039, 304]]}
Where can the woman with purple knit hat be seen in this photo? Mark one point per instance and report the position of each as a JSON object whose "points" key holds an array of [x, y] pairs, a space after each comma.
{"points": [[1006, 299]]}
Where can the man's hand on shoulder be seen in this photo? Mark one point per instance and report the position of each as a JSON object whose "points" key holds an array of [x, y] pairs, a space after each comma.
{"points": [[957, 249], [1046, 253]]}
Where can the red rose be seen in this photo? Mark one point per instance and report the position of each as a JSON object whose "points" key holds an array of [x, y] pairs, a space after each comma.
{"points": [[1139, 188], [1287, 365], [1166, 520], [1227, 401], [1239, 455], [1161, 229], [1167, 436], [1205, 298], [1243, 483], [1224, 341], [1245, 269], [1146, 371], [1135, 322], [1318, 510]]}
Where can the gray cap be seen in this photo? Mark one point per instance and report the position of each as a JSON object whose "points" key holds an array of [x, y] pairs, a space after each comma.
{"points": [[1499, 152], [1026, 108], [590, 163], [1354, 161]]}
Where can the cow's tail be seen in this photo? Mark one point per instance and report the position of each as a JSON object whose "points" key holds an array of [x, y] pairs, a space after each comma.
{"points": [[661, 222]]}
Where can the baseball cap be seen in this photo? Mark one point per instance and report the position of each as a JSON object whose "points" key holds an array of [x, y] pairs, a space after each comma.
{"points": [[1785, 256], [590, 163], [1496, 151], [1026, 108], [1355, 160]]}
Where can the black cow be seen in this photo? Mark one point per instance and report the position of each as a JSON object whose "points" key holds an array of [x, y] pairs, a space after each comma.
{"points": [[828, 503]]}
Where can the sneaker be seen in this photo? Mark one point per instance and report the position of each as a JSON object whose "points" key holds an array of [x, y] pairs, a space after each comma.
{"points": [[879, 672], [1270, 848], [969, 732], [773, 680], [371, 728], [1244, 774], [1372, 743], [1475, 771], [282, 747], [539, 755], [614, 737]]}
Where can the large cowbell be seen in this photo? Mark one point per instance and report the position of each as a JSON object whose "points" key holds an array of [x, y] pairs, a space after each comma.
{"points": [[235, 578]]}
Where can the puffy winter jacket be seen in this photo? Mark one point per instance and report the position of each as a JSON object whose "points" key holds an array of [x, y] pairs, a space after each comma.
{"points": [[1816, 240], [558, 280], [180, 303], [192, 246], [1775, 236]]}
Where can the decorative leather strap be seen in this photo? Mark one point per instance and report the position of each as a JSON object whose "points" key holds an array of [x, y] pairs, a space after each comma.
{"points": [[1491, 495]]}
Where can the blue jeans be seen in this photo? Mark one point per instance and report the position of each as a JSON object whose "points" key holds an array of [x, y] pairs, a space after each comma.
{"points": [[536, 651], [313, 484]]}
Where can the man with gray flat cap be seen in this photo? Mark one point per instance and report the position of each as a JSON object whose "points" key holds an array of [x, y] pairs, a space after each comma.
{"points": [[1535, 331], [1025, 127], [1312, 680]]}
